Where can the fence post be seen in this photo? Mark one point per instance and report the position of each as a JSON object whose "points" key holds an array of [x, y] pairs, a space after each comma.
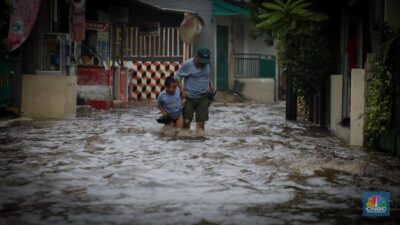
{"points": [[116, 79]]}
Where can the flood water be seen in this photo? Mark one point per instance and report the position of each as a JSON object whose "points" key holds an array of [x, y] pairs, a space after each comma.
{"points": [[250, 166]]}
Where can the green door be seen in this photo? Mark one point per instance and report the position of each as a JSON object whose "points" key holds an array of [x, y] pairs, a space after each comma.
{"points": [[222, 58]]}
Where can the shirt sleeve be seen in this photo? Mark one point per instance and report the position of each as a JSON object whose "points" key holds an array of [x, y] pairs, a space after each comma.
{"points": [[160, 100], [184, 71]]}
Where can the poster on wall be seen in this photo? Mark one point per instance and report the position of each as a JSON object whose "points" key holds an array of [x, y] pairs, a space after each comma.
{"points": [[21, 22]]}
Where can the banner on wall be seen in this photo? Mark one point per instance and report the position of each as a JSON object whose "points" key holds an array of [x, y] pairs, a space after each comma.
{"points": [[97, 25], [78, 20], [22, 20]]}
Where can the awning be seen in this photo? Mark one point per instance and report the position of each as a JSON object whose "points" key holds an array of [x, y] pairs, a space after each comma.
{"points": [[223, 8], [155, 6]]}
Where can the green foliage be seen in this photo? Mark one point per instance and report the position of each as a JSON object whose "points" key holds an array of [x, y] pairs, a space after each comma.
{"points": [[301, 40], [384, 34], [306, 58], [380, 89], [379, 103], [283, 17]]}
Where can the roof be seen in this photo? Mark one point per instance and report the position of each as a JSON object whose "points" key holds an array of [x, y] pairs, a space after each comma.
{"points": [[171, 10], [224, 8]]}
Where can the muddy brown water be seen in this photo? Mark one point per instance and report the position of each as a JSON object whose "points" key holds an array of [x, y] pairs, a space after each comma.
{"points": [[250, 166]]}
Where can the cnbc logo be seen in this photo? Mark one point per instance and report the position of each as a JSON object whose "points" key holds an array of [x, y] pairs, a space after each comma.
{"points": [[376, 203]]}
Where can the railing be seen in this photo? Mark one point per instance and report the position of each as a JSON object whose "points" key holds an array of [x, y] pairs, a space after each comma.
{"points": [[254, 66], [166, 44]]}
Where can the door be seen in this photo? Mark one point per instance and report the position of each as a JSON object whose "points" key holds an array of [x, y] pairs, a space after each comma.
{"points": [[222, 58], [7, 77]]}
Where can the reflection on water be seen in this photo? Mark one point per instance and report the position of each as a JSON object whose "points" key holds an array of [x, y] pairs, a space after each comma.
{"points": [[250, 166]]}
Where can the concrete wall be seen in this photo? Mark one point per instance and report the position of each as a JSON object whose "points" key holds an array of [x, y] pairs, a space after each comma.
{"points": [[242, 42], [255, 45], [48, 96], [259, 89], [355, 134], [357, 107], [336, 108]]}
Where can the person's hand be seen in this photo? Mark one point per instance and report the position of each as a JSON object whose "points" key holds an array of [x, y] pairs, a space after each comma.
{"points": [[183, 101], [183, 95]]}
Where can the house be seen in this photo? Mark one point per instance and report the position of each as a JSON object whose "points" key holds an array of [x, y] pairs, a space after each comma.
{"points": [[341, 105], [138, 43], [76, 52], [39, 44], [236, 56], [144, 44], [97, 53]]}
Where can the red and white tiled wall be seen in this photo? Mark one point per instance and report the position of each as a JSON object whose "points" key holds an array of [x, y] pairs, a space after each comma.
{"points": [[148, 77]]}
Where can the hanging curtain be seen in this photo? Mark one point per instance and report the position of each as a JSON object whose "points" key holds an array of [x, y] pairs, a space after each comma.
{"points": [[78, 20], [22, 20]]}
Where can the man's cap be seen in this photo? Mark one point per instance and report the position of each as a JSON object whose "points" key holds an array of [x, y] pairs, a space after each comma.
{"points": [[204, 55]]}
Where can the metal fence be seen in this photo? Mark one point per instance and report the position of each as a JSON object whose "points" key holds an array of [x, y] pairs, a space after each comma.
{"points": [[254, 66], [165, 44]]}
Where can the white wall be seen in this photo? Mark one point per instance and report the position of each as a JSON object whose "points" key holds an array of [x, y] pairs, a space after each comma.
{"points": [[259, 89], [357, 107], [244, 42], [355, 134], [257, 45], [48, 96], [336, 108]]}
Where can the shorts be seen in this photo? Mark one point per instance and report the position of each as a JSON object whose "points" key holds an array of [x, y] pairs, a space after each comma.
{"points": [[198, 106]]}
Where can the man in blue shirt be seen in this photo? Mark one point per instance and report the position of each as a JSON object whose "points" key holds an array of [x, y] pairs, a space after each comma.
{"points": [[195, 72]]}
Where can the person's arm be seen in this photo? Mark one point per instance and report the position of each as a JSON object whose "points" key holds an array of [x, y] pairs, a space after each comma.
{"points": [[162, 110], [180, 86], [160, 106], [180, 75], [211, 86]]}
